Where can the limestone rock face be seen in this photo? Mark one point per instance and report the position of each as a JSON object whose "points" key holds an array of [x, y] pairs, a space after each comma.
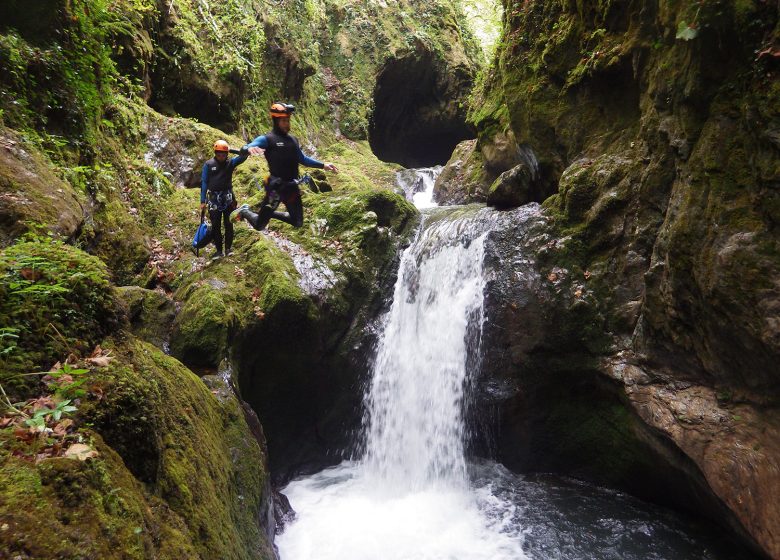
{"points": [[661, 251], [512, 188], [463, 179], [32, 195]]}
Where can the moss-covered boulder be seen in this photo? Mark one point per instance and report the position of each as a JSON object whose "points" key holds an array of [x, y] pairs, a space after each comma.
{"points": [[150, 314], [512, 188], [166, 467], [54, 300], [463, 179], [33, 196], [68, 508]]}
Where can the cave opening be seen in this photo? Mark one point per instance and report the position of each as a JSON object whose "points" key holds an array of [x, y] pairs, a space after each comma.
{"points": [[418, 116]]}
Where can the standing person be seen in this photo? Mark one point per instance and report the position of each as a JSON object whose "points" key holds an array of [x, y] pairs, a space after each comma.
{"points": [[283, 154], [216, 179]]}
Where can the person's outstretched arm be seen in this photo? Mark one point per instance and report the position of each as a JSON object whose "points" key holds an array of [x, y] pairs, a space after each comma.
{"points": [[258, 145], [311, 162], [240, 158]]}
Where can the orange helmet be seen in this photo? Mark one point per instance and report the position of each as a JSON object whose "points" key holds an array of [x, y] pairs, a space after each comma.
{"points": [[279, 110], [221, 146]]}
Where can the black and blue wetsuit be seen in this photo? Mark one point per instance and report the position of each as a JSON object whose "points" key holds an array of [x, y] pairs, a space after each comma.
{"points": [[283, 154], [216, 181]]}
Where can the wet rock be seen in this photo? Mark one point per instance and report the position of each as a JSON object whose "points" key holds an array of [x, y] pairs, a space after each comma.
{"points": [[512, 188], [463, 179], [32, 195], [150, 313], [664, 223]]}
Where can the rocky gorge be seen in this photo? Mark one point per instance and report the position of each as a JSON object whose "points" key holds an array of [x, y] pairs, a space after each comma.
{"points": [[631, 307]]}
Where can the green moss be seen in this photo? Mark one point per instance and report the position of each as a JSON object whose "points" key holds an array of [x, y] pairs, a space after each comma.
{"points": [[58, 297], [66, 508], [191, 450]]}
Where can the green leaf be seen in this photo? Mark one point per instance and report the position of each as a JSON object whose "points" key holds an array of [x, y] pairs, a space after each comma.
{"points": [[686, 32]]}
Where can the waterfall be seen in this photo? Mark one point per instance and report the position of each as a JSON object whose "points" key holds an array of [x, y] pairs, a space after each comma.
{"points": [[412, 495], [408, 497], [415, 425]]}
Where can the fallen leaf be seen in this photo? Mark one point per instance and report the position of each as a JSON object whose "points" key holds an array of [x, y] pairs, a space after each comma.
{"points": [[100, 361], [587, 275], [259, 312], [239, 272], [552, 277], [62, 427], [98, 351], [24, 434], [42, 402], [30, 274], [80, 451], [6, 421], [578, 293]]}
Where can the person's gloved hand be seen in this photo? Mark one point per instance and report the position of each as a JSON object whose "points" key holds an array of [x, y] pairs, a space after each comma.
{"points": [[244, 151]]}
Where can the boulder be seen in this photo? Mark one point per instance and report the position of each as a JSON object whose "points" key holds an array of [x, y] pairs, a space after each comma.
{"points": [[33, 197]]}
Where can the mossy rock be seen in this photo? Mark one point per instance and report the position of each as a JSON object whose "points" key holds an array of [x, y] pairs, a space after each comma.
{"points": [[56, 299], [464, 178], [67, 508], [150, 313], [32, 196], [192, 450], [512, 188], [178, 471]]}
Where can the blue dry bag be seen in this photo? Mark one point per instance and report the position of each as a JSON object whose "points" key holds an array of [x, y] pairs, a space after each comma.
{"points": [[202, 235]]}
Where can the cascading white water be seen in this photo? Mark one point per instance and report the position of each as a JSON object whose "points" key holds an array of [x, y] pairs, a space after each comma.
{"points": [[415, 433], [408, 497]]}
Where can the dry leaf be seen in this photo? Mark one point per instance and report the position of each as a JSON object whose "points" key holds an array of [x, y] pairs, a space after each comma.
{"points": [[62, 427], [552, 277], [98, 351], [6, 421], [587, 275], [239, 272], [42, 402], [80, 451], [30, 274], [259, 312], [578, 293], [100, 361]]}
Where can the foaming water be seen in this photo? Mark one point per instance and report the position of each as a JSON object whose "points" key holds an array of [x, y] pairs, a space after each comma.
{"points": [[344, 515], [409, 497], [417, 185]]}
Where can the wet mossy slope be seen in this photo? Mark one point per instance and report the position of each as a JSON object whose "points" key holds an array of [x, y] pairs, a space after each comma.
{"points": [[108, 109]]}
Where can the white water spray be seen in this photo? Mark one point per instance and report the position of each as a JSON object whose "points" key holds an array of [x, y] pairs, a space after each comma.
{"points": [[415, 435], [408, 498]]}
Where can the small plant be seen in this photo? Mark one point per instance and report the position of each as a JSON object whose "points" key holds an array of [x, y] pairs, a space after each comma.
{"points": [[39, 419]]}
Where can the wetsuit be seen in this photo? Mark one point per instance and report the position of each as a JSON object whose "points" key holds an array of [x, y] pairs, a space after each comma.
{"points": [[216, 180], [283, 154]]}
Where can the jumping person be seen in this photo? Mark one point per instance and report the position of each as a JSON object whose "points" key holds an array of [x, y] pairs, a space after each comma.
{"points": [[217, 180], [283, 154]]}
